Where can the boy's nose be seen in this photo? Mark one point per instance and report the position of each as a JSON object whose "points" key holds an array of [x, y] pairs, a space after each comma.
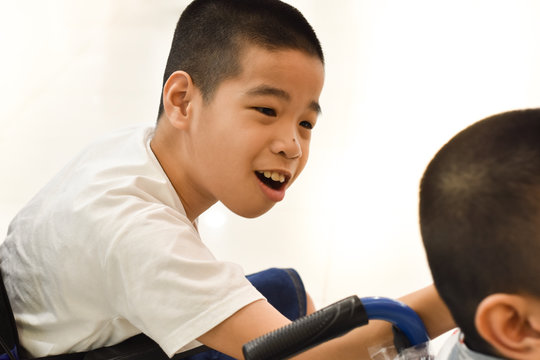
{"points": [[287, 146]]}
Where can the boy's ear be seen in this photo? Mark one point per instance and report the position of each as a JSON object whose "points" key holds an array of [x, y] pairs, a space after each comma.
{"points": [[511, 324], [178, 93]]}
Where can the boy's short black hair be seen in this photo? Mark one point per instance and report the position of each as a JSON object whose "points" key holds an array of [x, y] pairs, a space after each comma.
{"points": [[210, 36], [480, 215]]}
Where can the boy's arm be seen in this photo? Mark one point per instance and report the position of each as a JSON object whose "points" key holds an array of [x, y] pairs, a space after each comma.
{"points": [[248, 323], [260, 317], [429, 306]]}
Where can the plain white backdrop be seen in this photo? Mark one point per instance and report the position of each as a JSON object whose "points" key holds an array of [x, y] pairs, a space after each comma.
{"points": [[402, 77]]}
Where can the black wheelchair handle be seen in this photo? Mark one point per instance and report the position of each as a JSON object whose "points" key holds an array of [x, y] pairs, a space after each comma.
{"points": [[328, 323]]}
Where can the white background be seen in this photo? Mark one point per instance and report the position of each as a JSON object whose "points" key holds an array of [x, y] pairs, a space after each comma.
{"points": [[402, 77]]}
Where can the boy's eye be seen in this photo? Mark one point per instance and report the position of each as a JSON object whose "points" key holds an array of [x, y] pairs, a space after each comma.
{"points": [[306, 124], [266, 111]]}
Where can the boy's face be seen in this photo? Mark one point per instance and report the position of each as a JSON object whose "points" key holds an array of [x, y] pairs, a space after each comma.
{"points": [[251, 140]]}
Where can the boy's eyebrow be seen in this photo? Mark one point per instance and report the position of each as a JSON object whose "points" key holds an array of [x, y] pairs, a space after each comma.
{"points": [[280, 93], [315, 107]]}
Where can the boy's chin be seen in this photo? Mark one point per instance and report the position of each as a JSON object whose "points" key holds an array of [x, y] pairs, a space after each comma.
{"points": [[250, 212]]}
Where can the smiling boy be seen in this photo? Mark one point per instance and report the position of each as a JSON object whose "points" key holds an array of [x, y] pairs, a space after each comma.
{"points": [[249, 144], [110, 247]]}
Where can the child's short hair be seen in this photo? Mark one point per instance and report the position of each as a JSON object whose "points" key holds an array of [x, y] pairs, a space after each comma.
{"points": [[210, 35], [480, 215]]}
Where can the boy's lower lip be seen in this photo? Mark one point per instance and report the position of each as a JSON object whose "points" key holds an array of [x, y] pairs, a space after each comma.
{"points": [[272, 194]]}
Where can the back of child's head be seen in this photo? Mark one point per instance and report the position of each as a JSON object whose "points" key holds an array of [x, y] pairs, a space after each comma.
{"points": [[480, 215], [211, 34]]}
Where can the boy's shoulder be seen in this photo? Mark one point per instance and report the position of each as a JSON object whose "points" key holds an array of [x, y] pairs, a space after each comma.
{"points": [[107, 162], [116, 171], [121, 162]]}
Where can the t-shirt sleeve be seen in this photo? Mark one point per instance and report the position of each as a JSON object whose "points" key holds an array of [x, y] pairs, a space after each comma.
{"points": [[165, 281]]}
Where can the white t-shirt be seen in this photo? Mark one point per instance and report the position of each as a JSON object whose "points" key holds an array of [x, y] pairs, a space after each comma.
{"points": [[105, 251]]}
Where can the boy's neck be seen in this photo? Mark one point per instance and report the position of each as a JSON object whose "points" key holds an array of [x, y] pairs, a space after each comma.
{"points": [[165, 146]]}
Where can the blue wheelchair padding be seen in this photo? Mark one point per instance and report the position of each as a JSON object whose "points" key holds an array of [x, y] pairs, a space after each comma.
{"points": [[399, 314], [284, 289], [5, 356]]}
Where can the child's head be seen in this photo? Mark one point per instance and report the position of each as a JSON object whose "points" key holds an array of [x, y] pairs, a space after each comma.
{"points": [[480, 223], [211, 35], [240, 97]]}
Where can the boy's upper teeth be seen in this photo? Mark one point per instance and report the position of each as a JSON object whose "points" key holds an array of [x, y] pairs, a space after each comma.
{"points": [[274, 175]]}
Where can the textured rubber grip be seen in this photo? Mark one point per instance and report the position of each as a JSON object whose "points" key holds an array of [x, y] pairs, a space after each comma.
{"points": [[309, 331]]}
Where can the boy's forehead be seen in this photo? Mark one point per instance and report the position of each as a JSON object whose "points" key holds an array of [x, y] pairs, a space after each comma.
{"points": [[248, 52], [286, 74], [258, 61]]}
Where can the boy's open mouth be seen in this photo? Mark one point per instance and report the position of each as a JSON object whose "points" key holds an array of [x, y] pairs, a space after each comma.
{"points": [[272, 179]]}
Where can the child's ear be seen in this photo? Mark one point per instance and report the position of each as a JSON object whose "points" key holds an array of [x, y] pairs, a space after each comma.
{"points": [[177, 96], [511, 324]]}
